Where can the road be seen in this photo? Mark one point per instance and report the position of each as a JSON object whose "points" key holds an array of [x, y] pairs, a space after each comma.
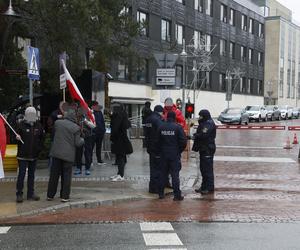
{"points": [[140, 236]]}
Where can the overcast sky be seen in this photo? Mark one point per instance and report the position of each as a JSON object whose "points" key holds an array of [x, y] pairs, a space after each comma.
{"points": [[293, 5]]}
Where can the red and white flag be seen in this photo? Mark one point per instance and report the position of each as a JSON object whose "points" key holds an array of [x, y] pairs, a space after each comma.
{"points": [[75, 93], [2, 146]]}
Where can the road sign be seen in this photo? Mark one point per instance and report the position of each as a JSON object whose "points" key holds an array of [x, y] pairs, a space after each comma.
{"points": [[164, 72], [165, 60], [165, 81], [33, 63], [62, 76]]}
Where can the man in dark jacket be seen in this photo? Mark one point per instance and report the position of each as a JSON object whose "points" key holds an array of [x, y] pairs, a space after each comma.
{"points": [[66, 139], [152, 123], [99, 131], [30, 131], [120, 144], [204, 142], [171, 142], [146, 112]]}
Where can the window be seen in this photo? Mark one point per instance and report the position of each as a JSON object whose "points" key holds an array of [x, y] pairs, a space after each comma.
{"points": [[251, 26], [251, 56], [222, 82], [244, 23], [232, 17], [208, 42], [223, 13], [223, 47], [207, 80], [123, 71], [232, 50], [260, 59], [179, 34], [142, 19], [209, 7], [165, 30], [142, 70], [259, 87], [243, 54], [243, 85], [249, 87], [199, 5], [197, 39], [260, 30]]}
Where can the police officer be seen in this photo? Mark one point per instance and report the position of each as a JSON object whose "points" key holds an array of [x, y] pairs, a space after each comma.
{"points": [[204, 143], [171, 142], [151, 125]]}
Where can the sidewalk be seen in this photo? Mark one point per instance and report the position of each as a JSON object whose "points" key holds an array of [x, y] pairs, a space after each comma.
{"points": [[91, 191]]}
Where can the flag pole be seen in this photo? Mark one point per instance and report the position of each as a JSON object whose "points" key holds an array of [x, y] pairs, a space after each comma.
{"points": [[10, 127]]}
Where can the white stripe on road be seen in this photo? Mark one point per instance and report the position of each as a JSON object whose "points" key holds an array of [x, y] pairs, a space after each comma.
{"points": [[159, 226], [167, 248], [162, 239], [4, 230], [247, 147], [253, 159]]}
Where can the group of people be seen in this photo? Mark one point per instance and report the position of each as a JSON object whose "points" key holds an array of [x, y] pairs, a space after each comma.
{"points": [[72, 134], [165, 140]]}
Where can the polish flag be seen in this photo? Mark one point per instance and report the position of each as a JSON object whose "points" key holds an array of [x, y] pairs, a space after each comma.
{"points": [[2, 146], [75, 93]]}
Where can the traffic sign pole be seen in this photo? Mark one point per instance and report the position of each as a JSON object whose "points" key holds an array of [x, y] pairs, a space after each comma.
{"points": [[30, 92]]}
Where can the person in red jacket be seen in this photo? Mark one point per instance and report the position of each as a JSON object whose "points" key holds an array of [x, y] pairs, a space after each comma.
{"points": [[170, 106]]}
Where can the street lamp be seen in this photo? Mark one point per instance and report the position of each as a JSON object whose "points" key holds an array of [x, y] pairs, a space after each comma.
{"points": [[10, 16], [183, 56]]}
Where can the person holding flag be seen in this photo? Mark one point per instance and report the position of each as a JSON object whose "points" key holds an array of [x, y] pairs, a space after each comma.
{"points": [[30, 135]]}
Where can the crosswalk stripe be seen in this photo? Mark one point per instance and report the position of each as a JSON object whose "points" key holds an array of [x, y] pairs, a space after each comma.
{"points": [[253, 159], [4, 230], [162, 239], [156, 226]]}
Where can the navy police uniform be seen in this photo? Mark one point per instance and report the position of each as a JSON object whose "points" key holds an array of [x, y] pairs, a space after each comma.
{"points": [[204, 143], [151, 125], [171, 142]]}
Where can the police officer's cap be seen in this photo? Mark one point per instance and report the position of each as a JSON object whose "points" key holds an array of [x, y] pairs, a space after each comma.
{"points": [[205, 114], [158, 108]]}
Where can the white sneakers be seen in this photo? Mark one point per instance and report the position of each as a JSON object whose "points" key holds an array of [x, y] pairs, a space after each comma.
{"points": [[117, 178]]}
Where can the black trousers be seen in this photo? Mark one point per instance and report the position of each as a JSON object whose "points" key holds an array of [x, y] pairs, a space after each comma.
{"points": [[23, 164], [121, 162], [154, 183], [78, 157], [172, 166], [207, 171], [88, 151], [98, 141], [63, 169]]}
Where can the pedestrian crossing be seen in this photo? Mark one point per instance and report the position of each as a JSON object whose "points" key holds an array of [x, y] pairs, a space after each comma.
{"points": [[160, 234], [4, 230]]}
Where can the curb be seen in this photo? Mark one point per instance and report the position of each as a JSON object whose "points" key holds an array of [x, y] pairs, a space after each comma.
{"points": [[71, 205]]}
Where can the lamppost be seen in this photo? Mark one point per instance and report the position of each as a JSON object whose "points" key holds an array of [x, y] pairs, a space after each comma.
{"points": [[183, 56], [10, 16]]}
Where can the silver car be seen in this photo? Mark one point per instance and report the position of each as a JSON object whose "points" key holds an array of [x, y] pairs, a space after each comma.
{"points": [[234, 115]]}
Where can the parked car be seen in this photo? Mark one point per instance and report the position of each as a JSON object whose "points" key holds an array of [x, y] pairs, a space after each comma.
{"points": [[257, 113], [273, 113], [234, 115], [286, 112], [296, 113]]}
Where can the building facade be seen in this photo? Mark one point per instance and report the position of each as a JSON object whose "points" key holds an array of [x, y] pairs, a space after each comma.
{"points": [[233, 30], [282, 57]]}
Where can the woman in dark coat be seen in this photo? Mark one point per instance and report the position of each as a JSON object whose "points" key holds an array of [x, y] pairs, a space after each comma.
{"points": [[120, 144]]}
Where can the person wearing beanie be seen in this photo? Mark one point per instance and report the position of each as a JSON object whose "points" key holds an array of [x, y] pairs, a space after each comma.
{"points": [[171, 143], [29, 131], [204, 143], [152, 123], [170, 106]]}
